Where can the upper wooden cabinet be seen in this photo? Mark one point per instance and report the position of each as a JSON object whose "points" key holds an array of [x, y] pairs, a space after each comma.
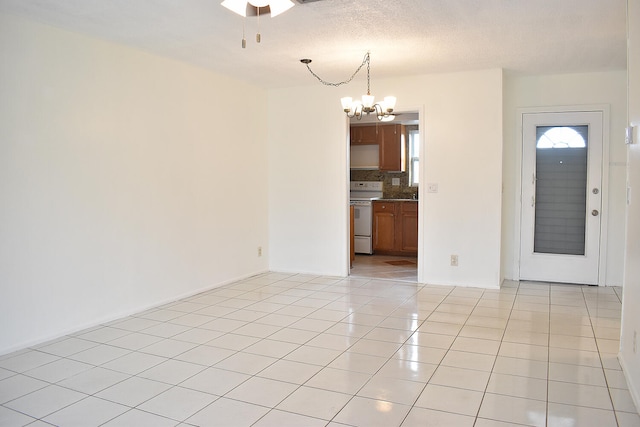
{"points": [[390, 139], [364, 135], [392, 148]]}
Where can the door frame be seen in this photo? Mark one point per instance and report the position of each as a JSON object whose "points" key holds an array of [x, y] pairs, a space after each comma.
{"points": [[604, 211], [420, 109]]}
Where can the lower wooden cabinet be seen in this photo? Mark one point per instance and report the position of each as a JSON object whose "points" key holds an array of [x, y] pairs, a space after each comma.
{"points": [[395, 228]]}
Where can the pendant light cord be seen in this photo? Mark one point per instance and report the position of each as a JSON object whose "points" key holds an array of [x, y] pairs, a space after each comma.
{"points": [[365, 60]]}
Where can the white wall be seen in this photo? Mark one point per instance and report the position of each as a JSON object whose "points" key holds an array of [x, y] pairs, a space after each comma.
{"points": [[567, 90], [630, 359], [122, 184], [308, 179]]}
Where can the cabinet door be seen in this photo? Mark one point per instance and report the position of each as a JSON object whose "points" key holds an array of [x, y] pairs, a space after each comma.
{"points": [[391, 139], [409, 228], [364, 135], [384, 226]]}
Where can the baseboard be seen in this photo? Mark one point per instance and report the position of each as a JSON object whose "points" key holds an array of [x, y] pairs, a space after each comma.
{"points": [[633, 390]]}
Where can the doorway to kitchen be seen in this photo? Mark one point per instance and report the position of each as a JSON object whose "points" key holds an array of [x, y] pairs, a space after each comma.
{"points": [[384, 183]]}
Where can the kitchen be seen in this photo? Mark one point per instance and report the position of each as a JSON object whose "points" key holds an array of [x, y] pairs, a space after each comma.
{"points": [[384, 160]]}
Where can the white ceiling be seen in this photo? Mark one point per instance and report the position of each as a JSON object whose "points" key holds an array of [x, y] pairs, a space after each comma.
{"points": [[405, 37]]}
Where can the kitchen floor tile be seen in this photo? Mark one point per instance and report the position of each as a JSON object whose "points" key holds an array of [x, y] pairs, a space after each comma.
{"points": [[313, 355], [560, 415], [290, 371], [178, 403], [87, 412], [357, 362], [517, 386], [246, 363], [449, 399], [9, 417], [18, 385], [338, 380], [215, 381], [134, 363], [421, 417], [228, 413], [172, 371], [460, 378], [58, 370], [262, 391], [513, 410], [93, 380], [579, 395], [277, 418], [99, 354], [205, 355], [371, 413], [407, 370], [139, 418], [27, 361], [392, 390], [45, 401], [315, 402], [133, 391], [467, 360]]}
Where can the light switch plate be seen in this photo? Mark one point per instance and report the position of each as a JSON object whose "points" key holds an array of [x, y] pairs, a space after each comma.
{"points": [[395, 181], [432, 187]]}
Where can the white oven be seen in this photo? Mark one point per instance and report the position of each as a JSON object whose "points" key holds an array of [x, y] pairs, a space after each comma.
{"points": [[362, 193], [362, 226]]}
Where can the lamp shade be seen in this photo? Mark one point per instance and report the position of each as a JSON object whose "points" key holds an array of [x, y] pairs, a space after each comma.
{"points": [[389, 103], [279, 6], [367, 101], [347, 101], [237, 6]]}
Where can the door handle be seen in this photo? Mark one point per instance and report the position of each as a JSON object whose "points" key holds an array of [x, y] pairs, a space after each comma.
{"points": [[595, 212]]}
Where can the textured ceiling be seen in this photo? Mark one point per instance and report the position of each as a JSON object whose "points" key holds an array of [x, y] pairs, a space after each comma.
{"points": [[405, 37]]}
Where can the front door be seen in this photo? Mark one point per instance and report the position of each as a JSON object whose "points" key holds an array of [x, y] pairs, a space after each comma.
{"points": [[561, 197]]}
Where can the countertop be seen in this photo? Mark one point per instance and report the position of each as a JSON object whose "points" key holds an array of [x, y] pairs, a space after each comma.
{"points": [[394, 200]]}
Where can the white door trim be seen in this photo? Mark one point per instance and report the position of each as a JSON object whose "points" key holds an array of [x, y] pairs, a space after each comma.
{"points": [[604, 108]]}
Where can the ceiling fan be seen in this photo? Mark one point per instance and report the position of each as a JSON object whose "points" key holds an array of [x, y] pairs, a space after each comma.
{"points": [[261, 7]]}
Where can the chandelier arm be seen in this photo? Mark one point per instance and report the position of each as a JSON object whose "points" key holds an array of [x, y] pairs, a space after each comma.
{"points": [[326, 83]]}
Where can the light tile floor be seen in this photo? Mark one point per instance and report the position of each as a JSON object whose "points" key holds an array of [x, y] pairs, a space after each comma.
{"points": [[295, 350]]}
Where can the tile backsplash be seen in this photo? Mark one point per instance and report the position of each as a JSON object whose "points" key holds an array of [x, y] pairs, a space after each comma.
{"points": [[402, 191]]}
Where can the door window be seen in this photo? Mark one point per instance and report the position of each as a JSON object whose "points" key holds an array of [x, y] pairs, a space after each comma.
{"points": [[561, 189]]}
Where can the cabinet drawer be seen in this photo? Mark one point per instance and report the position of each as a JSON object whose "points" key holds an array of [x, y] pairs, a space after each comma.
{"points": [[384, 207], [409, 207]]}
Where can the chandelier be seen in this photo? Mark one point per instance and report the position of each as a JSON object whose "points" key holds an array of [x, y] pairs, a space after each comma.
{"points": [[382, 109], [273, 7]]}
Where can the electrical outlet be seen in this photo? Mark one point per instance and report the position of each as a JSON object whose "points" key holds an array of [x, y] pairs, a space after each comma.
{"points": [[454, 260], [259, 250], [635, 342]]}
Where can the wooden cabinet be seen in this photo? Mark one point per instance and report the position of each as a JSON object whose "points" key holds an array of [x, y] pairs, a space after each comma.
{"points": [[395, 228], [364, 135], [392, 148], [409, 226], [390, 139], [384, 226]]}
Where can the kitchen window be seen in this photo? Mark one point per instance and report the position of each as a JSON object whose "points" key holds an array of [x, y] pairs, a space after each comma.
{"points": [[414, 157]]}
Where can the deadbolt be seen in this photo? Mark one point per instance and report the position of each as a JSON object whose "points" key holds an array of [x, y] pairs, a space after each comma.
{"points": [[595, 212], [595, 191]]}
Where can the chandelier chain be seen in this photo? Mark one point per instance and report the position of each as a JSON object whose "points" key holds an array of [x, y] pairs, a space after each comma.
{"points": [[326, 83]]}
